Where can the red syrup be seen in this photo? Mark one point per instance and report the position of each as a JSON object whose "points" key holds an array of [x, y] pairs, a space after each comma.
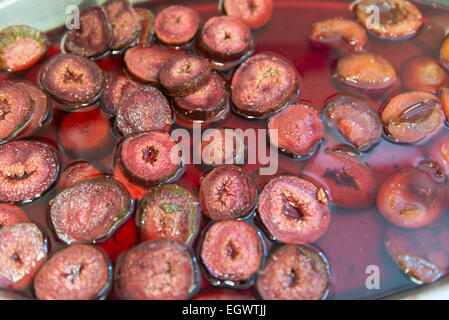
{"points": [[355, 238]]}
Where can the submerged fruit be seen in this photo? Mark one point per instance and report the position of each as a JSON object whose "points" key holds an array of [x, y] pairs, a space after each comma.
{"points": [[339, 33], [366, 71], [76, 172], [424, 74], [116, 86], [143, 108], [41, 108], [421, 254], [21, 46], [297, 130], [413, 117], [72, 79], [169, 212], [255, 13], [207, 102], [150, 158], [263, 85], [90, 211], [293, 210], [182, 75], [232, 251], [124, 21], [146, 19], [411, 198], [156, 270], [294, 273], [398, 19], [78, 272], [444, 53], [23, 249], [27, 170], [176, 25], [16, 110], [144, 62], [228, 192], [11, 214], [348, 180], [355, 121], [93, 36], [224, 39]]}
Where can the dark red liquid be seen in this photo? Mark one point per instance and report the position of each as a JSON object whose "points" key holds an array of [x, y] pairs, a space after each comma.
{"points": [[355, 238]]}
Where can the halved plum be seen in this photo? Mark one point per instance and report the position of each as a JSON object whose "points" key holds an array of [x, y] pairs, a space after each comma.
{"points": [[183, 75], [90, 211], [115, 88], [422, 254], [125, 23], [73, 80], [293, 210], [78, 272], [367, 72], [225, 41], [228, 192], [232, 252], [176, 25], [16, 110], [255, 13], [339, 33], [169, 212], [23, 249], [292, 272], [27, 170], [297, 130], [424, 74], [411, 198], [144, 62], [21, 46], [146, 19], [348, 180], [143, 108], [150, 158], [444, 53], [398, 19], [355, 120], [207, 102], [263, 85], [413, 117], [156, 270], [94, 35]]}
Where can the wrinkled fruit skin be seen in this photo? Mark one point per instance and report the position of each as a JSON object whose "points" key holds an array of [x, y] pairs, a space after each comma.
{"points": [[339, 33], [297, 130], [294, 273], [169, 212], [355, 121], [367, 72], [411, 198], [347, 179], [228, 192], [293, 210], [263, 85], [232, 251], [399, 19], [156, 270], [27, 170], [23, 249], [78, 272], [421, 253]]}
